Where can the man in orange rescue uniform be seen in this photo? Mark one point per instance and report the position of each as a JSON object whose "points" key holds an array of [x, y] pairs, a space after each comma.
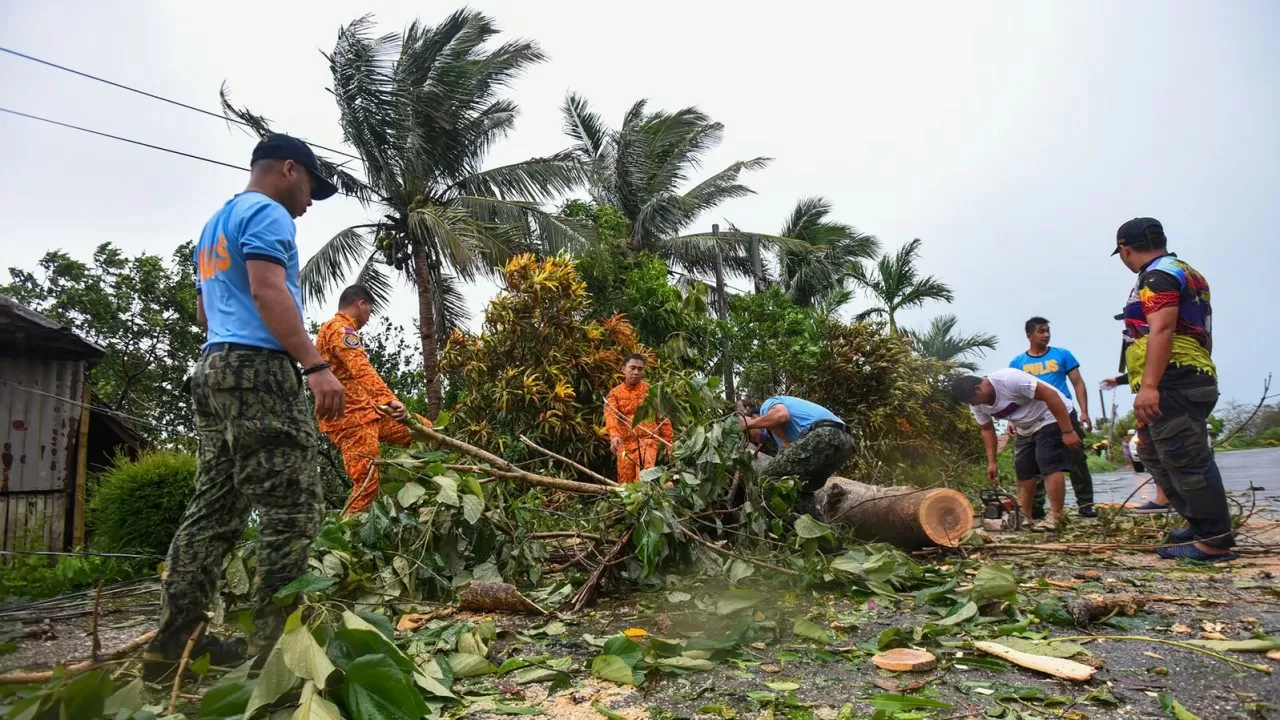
{"points": [[358, 432], [636, 446]]}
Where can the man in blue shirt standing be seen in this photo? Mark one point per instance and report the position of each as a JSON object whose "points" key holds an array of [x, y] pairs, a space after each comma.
{"points": [[256, 428], [1056, 366], [814, 442]]}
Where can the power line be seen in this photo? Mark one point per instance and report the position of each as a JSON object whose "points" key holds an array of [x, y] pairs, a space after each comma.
{"points": [[153, 96], [99, 408], [121, 139]]}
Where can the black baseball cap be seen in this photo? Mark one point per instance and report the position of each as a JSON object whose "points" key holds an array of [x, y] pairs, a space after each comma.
{"points": [[1138, 232], [278, 146]]}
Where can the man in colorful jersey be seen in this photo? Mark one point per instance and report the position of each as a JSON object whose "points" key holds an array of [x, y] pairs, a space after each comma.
{"points": [[256, 429], [1057, 366], [1169, 321], [1038, 412], [360, 429], [635, 446], [814, 443]]}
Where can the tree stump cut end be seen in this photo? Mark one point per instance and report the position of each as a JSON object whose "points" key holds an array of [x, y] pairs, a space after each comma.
{"points": [[946, 516]]}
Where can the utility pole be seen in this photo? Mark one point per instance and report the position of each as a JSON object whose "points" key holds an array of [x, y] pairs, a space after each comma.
{"points": [[757, 266], [722, 311]]}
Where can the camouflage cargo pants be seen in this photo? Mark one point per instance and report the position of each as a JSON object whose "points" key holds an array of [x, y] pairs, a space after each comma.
{"points": [[258, 447], [813, 457]]}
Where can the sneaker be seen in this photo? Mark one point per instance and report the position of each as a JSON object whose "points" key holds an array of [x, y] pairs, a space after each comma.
{"points": [[1151, 508], [222, 653]]}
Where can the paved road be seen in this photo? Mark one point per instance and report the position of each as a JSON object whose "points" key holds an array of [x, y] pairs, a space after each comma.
{"points": [[1239, 469]]}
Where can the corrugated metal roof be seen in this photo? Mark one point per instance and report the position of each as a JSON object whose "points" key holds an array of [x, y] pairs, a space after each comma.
{"points": [[25, 331]]}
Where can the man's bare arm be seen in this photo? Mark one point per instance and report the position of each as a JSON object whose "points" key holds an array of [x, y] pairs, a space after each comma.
{"points": [[777, 416], [1159, 344], [989, 440], [201, 320], [279, 311], [1081, 392]]}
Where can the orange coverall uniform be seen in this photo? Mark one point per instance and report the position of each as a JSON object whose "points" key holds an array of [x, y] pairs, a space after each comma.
{"points": [[360, 429], [640, 443]]}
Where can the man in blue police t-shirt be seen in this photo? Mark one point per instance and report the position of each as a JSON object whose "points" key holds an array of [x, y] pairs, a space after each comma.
{"points": [[812, 440], [1057, 366]]}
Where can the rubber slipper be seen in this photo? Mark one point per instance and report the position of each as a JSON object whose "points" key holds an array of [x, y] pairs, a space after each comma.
{"points": [[1191, 552]]}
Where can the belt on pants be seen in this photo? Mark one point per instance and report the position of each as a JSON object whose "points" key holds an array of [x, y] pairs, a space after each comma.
{"points": [[827, 424], [212, 348]]}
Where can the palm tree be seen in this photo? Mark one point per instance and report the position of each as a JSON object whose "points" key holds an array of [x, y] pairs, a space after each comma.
{"points": [[940, 341], [422, 110], [895, 282], [641, 169], [821, 263]]}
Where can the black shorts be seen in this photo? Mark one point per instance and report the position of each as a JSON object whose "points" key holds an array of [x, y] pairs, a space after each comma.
{"points": [[1041, 454]]}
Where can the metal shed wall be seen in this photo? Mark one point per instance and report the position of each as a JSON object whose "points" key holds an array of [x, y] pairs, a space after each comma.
{"points": [[41, 404]]}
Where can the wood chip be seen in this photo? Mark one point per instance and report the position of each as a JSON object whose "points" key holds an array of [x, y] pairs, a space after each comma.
{"points": [[771, 668], [905, 660], [1180, 629], [1213, 627], [1273, 655], [1213, 636], [1153, 655], [1057, 667]]}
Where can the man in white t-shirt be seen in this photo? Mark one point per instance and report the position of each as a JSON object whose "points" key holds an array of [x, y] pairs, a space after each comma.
{"points": [[1036, 410]]}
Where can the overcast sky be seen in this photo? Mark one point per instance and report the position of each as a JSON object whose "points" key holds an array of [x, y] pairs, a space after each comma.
{"points": [[1012, 137]]}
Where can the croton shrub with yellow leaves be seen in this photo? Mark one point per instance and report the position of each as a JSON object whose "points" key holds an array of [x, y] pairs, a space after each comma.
{"points": [[539, 367]]}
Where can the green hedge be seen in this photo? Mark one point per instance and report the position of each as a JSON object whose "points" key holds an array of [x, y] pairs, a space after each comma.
{"points": [[136, 505]]}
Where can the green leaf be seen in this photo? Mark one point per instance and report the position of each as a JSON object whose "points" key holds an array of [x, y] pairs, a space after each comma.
{"points": [[813, 631], [893, 702], [624, 647], [226, 700], [994, 582], [128, 697], [737, 599], [782, 685], [676, 596], [928, 596], [472, 508], [376, 689], [358, 638], [614, 669], [85, 696], [739, 570], [314, 707], [808, 528], [1175, 709], [410, 494], [302, 654], [487, 572], [889, 638], [200, 666], [502, 709], [549, 670], [448, 494], [966, 612], [685, 663], [275, 680], [310, 582], [1047, 649], [1249, 646], [236, 576], [432, 685], [469, 665], [1052, 611]]}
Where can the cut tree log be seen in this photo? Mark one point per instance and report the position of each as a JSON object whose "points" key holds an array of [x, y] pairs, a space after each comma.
{"points": [[479, 596], [905, 660], [909, 518], [1057, 667]]}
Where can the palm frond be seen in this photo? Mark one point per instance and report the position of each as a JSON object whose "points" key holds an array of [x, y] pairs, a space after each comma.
{"points": [[332, 264], [450, 236], [531, 180], [543, 232], [941, 341], [373, 276]]}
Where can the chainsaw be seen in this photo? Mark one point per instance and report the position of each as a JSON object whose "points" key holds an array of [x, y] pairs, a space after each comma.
{"points": [[1000, 511]]}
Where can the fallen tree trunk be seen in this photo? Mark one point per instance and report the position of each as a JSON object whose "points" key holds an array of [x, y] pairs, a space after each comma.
{"points": [[908, 518]]}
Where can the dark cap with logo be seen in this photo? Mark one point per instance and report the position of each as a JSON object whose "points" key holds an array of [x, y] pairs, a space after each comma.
{"points": [[1144, 233], [278, 146]]}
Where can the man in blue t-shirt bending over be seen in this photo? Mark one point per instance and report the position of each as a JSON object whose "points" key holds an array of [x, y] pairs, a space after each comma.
{"points": [[814, 442], [1059, 368]]}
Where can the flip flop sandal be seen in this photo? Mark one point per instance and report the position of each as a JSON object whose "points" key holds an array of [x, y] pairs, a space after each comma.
{"points": [[1191, 552]]}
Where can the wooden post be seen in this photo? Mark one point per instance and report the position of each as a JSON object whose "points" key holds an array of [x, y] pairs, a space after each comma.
{"points": [[722, 310], [82, 470]]}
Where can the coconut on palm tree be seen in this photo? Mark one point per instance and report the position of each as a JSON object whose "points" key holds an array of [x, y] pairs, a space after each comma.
{"points": [[942, 341], [422, 109], [896, 284], [819, 266], [644, 169]]}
